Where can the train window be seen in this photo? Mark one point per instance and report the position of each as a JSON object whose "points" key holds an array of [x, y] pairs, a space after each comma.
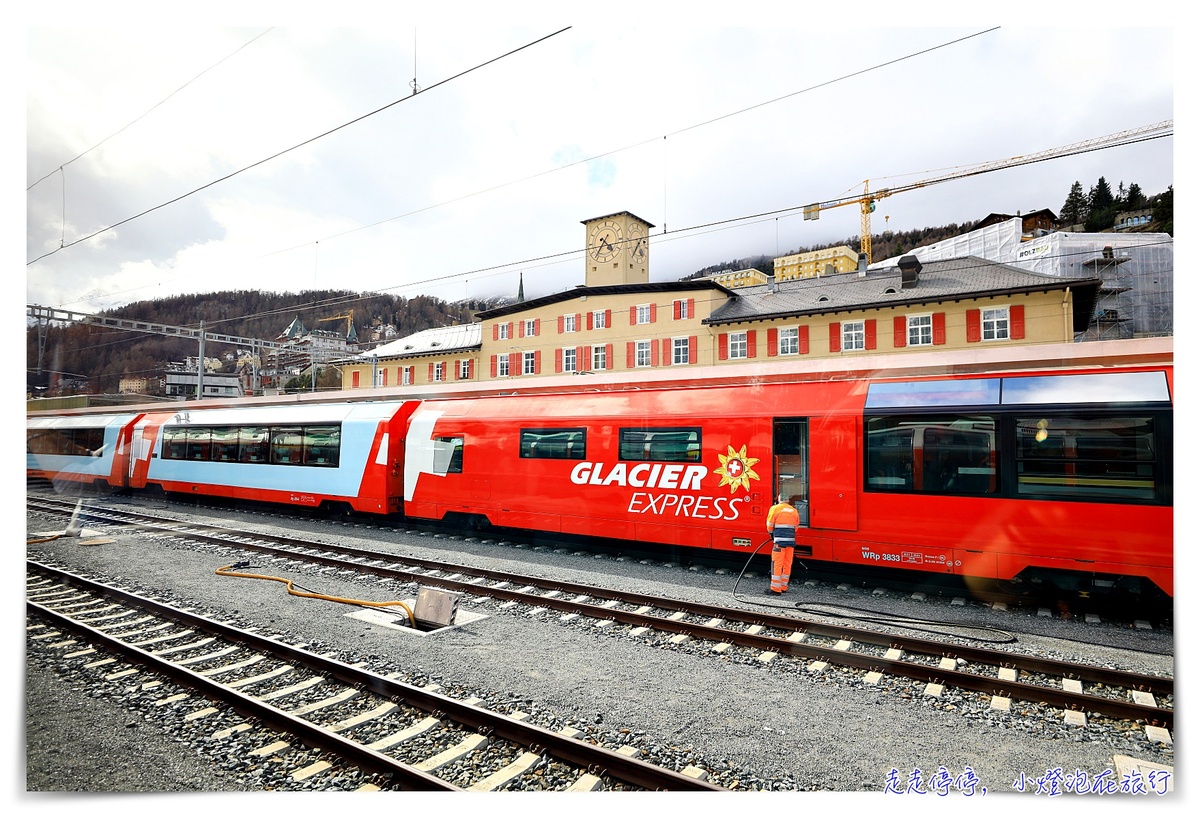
{"points": [[86, 442], [1086, 458], [1103, 387], [174, 443], [321, 445], [936, 455], [225, 444], [554, 444], [253, 444], [447, 455], [286, 444], [969, 392], [662, 445]]}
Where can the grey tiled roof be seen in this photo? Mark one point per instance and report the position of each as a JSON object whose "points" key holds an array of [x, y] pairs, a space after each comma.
{"points": [[944, 280]]}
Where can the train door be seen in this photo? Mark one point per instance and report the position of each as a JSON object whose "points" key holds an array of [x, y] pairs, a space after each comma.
{"points": [[789, 461]]}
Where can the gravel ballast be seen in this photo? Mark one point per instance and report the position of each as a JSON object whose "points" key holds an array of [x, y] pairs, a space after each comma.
{"points": [[755, 727]]}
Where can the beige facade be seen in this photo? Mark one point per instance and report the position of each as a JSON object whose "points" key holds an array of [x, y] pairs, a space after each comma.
{"points": [[733, 279], [829, 261], [627, 323]]}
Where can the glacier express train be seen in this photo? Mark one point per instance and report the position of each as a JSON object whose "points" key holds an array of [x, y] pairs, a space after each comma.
{"points": [[1055, 469]]}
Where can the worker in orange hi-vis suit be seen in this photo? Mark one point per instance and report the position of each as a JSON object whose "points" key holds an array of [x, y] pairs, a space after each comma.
{"points": [[782, 521]]}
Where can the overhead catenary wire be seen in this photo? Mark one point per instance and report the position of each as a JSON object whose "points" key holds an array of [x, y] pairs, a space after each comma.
{"points": [[308, 141]]}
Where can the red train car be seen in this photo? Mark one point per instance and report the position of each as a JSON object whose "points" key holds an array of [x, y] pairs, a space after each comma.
{"points": [[1057, 475]]}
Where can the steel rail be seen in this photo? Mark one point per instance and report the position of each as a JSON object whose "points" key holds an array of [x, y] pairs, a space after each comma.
{"points": [[591, 757]]}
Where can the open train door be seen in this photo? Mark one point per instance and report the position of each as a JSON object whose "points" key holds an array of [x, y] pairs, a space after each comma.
{"points": [[789, 454]]}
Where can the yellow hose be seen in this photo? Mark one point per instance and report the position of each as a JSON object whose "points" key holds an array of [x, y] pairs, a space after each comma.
{"points": [[227, 572]]}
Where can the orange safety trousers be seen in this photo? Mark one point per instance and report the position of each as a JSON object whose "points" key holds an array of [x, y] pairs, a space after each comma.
{"points": [[781, 566]]}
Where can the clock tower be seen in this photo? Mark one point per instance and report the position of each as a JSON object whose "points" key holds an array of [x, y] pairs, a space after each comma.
{"points": [[618, 250]]}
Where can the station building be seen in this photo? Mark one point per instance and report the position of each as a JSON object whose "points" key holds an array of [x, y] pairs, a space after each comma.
{"points": [[621, 321]]}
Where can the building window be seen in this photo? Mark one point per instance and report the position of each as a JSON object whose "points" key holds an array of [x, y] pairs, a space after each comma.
{"points": [[569, 323], [530, 327], [464, 370], [920, 330], [439, 372], [599, 356], [680, 351], [502, 366], [789, 341], [598, 319], [502, 329], [641, 354], [684, 308], [528, 363], [381, 376], [854, 335], [643, 313], [737, 345], [995, 324], [568, 359]]}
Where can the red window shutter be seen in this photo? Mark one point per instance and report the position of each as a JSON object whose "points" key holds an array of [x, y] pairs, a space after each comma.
{"points": [[514, 364], [723, 346], [629, 354], [900, 331], [457, 370], [520, 329], [632, 316], [835, 337], [578, 320], [677, 308], [354, 379], [537, 362], [383, 380], [691, 307], [939, 328], [608, 356], [608, 319], [589, 321], [804, 340], [537, 326], [653, 313], [558, 355], [431, 373], [1016, 322], [974, 329], [581, 360], [869, 332], [471, 369], [772, 342], [752, 343], [562, 324], [692, 344], [654, 357], [668, 359], [495, 332], [493, 366]]}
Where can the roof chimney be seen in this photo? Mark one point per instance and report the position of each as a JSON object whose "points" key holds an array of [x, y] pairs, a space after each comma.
{"points": [[862, 264], [909, 268]]}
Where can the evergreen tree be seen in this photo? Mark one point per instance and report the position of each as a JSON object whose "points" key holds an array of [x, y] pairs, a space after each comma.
{"points": [[1075, 208], [1135, 198]]}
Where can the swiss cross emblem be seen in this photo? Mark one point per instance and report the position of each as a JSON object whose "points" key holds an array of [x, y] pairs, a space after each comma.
{"points": [[735, 469]]}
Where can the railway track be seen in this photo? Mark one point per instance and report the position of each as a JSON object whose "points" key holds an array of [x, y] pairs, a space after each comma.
{"points": [[281, 695], [1005, 675]]}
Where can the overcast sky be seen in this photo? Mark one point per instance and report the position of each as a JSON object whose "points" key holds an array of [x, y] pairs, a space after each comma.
{"points": [[157, 138]]}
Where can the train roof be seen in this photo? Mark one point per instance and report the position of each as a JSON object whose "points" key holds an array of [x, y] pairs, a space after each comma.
{"points": [[857, 366]]}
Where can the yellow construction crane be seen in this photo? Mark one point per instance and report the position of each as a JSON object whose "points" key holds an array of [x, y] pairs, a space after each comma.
{"points": [[349, 320], [866, 202]]}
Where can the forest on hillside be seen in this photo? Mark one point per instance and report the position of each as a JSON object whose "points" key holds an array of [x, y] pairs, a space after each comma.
{"points": [[93, 359]]}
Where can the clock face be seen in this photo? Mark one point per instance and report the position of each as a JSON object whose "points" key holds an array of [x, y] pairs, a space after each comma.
{"points": [[638, 244], [604, 240]]}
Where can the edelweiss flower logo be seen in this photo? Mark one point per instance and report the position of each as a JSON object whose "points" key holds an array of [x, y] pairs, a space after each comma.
{"points": [[735, 470]]}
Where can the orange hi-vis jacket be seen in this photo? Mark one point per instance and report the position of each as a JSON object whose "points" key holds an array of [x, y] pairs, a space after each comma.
{"points": [[782, 520]]}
